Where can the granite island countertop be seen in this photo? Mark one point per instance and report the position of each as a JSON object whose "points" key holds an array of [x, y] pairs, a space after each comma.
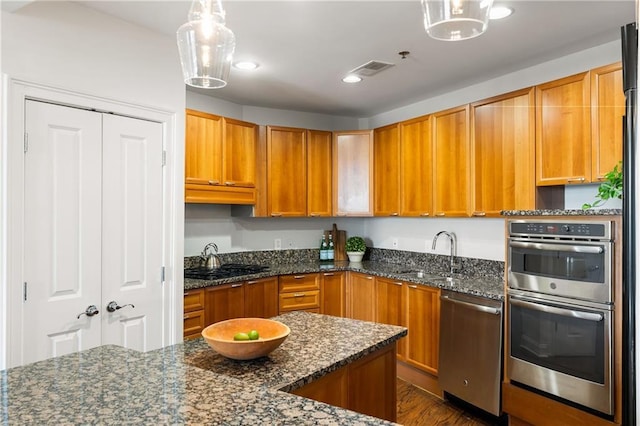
{"points": [[488, 287], [190, 383]]}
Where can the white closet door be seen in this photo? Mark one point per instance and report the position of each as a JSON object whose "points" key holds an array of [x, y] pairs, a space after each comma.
{"points": [[62, 249], [132, 235]]}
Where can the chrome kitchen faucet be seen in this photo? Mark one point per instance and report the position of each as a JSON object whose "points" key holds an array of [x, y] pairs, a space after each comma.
{"points": [[452, 241]]}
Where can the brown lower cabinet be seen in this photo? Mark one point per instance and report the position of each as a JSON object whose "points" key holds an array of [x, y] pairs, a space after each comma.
{"points": [[332, 293], [361, 296], [367, 385]]}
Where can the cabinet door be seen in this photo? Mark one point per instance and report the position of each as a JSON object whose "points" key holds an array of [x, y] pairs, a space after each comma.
{"points": [[563, 133], [286, 172], [332, 293], [451, 162], [390, 306], [319, 173], [261, 298], [423, 321], [353, 173], [503, 153], [224, 302], [386, 171], [416, 167], [607, 110], [239, 153], [203, 148], [361, 297]]}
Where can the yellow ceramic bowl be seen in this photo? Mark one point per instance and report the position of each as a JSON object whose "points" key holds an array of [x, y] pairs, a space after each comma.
{"points": [[220, 337]]}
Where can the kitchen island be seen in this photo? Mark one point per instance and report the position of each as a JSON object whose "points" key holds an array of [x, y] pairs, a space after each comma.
{"points": [[190, 383]]}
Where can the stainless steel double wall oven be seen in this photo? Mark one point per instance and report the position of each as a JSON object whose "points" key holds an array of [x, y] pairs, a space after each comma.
{"points": [[560, 299]]}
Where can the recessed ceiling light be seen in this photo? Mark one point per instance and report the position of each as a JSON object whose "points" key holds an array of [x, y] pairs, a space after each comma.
{"points": [[245, 65], [499, 12], [352, 79]]}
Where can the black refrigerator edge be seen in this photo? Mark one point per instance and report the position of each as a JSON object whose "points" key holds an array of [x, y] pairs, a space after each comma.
{"points": [[629, 38]]}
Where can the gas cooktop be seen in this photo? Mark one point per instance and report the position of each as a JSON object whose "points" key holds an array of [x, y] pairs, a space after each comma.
{"points": [[227, 270]]}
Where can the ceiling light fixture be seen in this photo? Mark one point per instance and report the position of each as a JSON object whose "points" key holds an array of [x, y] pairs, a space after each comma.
{"points": [[246, 65], [352, 79], [500, 12], [206, 45], [453, 20]]}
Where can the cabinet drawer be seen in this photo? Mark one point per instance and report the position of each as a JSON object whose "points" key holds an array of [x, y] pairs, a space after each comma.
{"points": [[193, 324], [300, 300], [193, 300], [300, 282]]}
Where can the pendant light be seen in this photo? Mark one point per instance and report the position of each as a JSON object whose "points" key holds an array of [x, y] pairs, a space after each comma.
{"points": [[453, 20], [206, 45]]}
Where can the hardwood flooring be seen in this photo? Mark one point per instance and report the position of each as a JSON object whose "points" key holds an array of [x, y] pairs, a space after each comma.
{"points": [[417, 407]]}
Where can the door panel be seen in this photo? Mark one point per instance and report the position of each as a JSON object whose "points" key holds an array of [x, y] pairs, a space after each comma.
{"points": [[132, 232], [62, 252]]}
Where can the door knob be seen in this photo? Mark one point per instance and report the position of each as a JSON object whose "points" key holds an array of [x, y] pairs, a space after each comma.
{"points": [[90, 311], [113, 306]]}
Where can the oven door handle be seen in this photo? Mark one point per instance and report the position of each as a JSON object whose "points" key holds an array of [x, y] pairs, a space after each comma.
{"points": [[558, 247], [589, 316]]}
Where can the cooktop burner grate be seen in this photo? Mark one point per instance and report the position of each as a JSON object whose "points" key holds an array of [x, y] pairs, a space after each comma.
{"points": [[227, 270]]}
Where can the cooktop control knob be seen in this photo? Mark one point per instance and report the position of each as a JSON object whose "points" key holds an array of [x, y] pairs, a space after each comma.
{"points": [[566, 228]]}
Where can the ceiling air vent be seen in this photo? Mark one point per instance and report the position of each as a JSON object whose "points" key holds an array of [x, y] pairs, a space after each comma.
{"points": [[371, 68]]}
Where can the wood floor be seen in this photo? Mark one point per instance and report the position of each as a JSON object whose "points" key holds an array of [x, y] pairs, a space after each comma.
{"points": [[417, 407]]}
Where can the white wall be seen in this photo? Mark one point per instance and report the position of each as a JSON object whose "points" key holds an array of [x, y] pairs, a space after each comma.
{"points": [[63, 45], [270, 116], [214, 223], [571, 64]]}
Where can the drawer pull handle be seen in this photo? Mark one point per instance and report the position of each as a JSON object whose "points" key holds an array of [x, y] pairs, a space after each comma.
{"points": [[328, 274], [229, 183], [394, 214], [580, 179], [236, 285], [298, 294], [214, 182], [298, 277], [369, 278], [398, 283], [413, 286], [251, 282], [424, 214], [440, 214], [276, 214], [479, 214]]}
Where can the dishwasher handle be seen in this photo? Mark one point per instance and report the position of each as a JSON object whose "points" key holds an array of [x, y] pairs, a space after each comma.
{"points": [[474, 306]]}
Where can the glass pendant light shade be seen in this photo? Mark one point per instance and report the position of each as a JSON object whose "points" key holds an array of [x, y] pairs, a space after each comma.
{"points": [[452, 20], [206, 46]]}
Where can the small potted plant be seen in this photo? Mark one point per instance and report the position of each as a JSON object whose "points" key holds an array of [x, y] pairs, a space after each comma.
{"points": [[610, 188], [355, 248]]}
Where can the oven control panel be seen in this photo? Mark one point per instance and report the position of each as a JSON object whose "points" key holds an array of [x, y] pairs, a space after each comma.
{"points": [[590, 230]]}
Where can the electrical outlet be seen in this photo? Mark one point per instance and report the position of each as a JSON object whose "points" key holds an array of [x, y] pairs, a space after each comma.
{"points": [[394, 243], [277, 244]]}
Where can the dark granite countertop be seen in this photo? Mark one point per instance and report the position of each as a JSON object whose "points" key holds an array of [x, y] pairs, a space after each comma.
{"points": [[190, 383], [488, 287], [574, 212]]}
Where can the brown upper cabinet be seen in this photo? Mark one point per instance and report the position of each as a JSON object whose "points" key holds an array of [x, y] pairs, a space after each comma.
{"points": [[451, 162], [607, 110], [503, 153], [353, 173], [220, 159], [386, 171], [286, 171], [319, 173], [416, 167], [563, 131]]}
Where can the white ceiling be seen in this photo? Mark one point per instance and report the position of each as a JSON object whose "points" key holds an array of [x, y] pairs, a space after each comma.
{"points": [[304, 48]]}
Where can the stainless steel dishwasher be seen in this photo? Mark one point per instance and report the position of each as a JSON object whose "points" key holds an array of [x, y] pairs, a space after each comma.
{"points": [[470, 358]]}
